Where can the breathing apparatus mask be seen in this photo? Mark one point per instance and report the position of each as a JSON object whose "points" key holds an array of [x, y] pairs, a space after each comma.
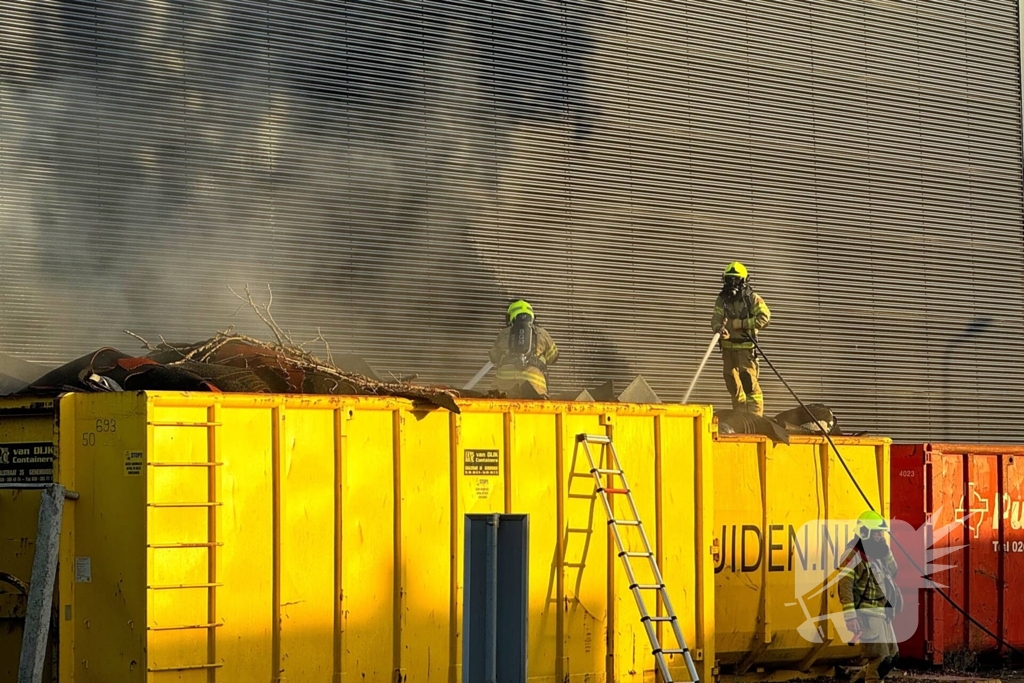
{"points": [[732, 287], [875, 549], [871, 530]]}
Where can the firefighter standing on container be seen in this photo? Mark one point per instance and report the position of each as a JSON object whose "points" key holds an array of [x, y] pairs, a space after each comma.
{"points": [[739, 314], [870, 597], [522, 353]]}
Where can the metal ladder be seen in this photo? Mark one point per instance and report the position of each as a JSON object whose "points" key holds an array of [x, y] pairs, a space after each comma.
{"points": [[612, 469], [210, 503]]}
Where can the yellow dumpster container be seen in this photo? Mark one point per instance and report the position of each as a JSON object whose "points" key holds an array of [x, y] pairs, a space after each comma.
{"points": [[236, 538], [781, 524]]}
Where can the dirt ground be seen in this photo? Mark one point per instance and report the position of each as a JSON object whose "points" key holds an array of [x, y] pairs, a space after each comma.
{"points": [[980, 675]]}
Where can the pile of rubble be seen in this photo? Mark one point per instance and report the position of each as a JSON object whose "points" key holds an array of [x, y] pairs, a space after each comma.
{"points": [[229, 363], [816, 418]]}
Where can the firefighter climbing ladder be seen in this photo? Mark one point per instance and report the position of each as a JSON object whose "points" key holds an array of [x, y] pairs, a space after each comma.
{"points": [[611, 470]]}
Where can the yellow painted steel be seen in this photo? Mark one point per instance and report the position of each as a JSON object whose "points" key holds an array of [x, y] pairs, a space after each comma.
{"points": [[767, 494], [293, 538], [21, 421]]}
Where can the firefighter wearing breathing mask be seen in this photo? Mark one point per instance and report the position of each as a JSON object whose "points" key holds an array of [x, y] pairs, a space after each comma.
{"points": [[739, 314], [522, 353], [870, 596]]}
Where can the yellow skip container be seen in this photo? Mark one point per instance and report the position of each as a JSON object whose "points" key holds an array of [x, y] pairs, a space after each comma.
{"points": [[235, 538], [781, 525]]}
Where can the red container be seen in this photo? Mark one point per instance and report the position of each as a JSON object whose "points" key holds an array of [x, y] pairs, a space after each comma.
{"points": [[951, 481]]}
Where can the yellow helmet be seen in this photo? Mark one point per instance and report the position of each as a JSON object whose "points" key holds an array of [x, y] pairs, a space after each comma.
{"points": [[735, 269], [517, 308], [870, 521]]}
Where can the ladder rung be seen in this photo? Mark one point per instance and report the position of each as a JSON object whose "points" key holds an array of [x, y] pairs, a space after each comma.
{"points": [[647, 586], [593, 438], [600, 471], [657, 618], [611, 490], [627, 553], [181, 586], [574, 565], [625, 522], [184, 627], [185, 505], [580, 530], [672, 652], [184, 545], [185, 424], [185, 464], [186, 667]]}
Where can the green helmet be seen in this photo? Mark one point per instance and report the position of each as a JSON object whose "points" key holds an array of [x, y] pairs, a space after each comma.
{"points": [[517, 308], [870, 521], [736, 269]]}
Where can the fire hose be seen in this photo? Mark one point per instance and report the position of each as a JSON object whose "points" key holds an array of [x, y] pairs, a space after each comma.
{"points": [[871, 507]]}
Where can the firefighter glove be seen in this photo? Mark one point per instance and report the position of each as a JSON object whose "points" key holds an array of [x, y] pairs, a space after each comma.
{"points": [[852, 623]]}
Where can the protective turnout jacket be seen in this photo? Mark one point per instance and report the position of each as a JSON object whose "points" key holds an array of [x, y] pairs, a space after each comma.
{"points": [[859, 586], [750, 308], [514, 369]]}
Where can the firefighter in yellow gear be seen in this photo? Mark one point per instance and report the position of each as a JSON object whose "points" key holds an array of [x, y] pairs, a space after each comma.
{"points": [[739, 314], [522, 353], [870, 596]]}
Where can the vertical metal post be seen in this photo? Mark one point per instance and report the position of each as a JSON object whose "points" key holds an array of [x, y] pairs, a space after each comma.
{"points": [[40, 593], [491, 603]]}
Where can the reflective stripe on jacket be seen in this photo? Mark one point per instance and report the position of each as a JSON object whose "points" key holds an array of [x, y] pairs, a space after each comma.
{"points": [[858, 587]]}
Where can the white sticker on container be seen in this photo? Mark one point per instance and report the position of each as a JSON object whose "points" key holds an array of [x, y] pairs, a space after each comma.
{"points": [[482, 487], [83, 570], [133, 464]]}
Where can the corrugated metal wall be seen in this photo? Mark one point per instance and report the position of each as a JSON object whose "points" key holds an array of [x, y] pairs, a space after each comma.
{"points": [[398, 170]]}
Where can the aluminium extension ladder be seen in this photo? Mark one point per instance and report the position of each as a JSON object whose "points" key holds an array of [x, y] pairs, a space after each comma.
{"points": [[611, 469]]}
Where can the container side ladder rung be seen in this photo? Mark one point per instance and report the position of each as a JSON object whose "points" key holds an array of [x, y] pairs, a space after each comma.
{"points": [[607, 464], [195, 504], [183, 667], [212, 543], [184, 627]]}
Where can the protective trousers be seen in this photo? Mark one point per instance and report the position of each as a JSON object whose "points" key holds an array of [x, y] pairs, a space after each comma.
{"points": [[741, 369], [880, 648]]}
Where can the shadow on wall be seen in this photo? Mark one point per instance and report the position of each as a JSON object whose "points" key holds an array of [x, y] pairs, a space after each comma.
{"points": [[262, 144], [963, 344]]}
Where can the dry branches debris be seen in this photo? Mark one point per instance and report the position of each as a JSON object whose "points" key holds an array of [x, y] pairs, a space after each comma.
{"points": [[230, 361], [283, 367]]}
